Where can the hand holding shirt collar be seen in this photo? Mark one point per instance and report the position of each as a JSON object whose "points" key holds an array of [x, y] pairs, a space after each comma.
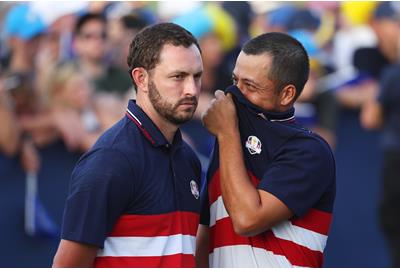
{"points": [[272, 116]]}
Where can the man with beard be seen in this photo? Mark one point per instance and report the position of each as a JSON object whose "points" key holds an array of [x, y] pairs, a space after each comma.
{"points": [[134, 197]]}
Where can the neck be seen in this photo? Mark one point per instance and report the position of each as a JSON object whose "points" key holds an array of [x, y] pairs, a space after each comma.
{"points": [[167, 128], [92, 69]]}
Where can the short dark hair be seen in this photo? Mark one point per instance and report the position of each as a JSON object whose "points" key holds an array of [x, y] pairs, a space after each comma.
{"points": [[146, 46], [290, 63], [82, 20]]}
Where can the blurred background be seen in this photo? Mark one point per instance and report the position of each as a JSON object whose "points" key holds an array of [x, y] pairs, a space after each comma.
{"points": [[64, 80]]}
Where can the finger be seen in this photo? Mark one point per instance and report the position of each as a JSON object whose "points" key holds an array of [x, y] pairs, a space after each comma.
{"points": [[219, 94], [229, 95]]}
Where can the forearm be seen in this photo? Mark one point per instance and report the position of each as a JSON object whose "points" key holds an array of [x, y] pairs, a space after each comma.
{"points": [[202, 243], [241, 198], [9, 131], [43, 121]]}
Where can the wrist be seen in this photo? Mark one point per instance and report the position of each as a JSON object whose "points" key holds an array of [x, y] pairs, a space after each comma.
{"points": [[228, 134]]}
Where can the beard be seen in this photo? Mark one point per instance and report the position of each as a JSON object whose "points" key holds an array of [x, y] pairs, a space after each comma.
{"points": [[171, 111]]}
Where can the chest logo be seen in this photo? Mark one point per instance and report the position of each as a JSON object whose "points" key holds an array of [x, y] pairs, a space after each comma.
{"points": [[253, 144], [194, 189]]}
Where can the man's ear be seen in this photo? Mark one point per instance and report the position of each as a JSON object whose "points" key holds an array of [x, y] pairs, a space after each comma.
{"points": [[287, 95], [141, 78]]}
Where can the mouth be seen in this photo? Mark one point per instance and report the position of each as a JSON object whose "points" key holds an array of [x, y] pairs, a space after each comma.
{"points": [[188, 103]]}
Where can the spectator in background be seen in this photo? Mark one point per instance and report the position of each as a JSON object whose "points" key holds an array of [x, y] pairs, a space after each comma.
{"points": [[121, 30], [384, 112], [23, 29], [369, 62], [90, 45], [72, 108]]}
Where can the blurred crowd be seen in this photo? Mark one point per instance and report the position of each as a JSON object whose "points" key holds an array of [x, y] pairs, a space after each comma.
{"points": [[64, 76]]}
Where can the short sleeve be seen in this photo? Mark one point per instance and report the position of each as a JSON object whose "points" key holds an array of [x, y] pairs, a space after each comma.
{"points": [[389, 94], [100, 190], [300, 173]]}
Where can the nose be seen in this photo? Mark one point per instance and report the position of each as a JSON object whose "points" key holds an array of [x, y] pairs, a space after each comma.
{"points": [[192, 87]]}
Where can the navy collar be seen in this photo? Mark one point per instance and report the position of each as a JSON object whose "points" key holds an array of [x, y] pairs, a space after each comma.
{"points": [[286, 116], [148, 128]]}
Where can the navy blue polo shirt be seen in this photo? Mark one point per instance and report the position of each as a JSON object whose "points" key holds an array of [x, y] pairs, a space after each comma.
{"points": [[133, 183]]}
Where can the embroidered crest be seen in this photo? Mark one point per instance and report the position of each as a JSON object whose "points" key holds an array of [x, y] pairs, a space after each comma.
{"points": [[253, 144], [194, 189]]}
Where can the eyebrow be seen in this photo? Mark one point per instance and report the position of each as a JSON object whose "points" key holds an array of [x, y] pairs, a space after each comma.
{"points": [[185, 73], [247, 80]]}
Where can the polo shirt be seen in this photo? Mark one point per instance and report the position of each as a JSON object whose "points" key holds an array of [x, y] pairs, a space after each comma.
{"points": [[136, 197], [294, 165]]}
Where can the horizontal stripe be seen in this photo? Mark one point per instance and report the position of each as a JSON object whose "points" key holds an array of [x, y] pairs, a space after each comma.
{"points": [[148, 246], [302, 236], [246, 256], [315, 220], [171, 261], [223, 234], [312, 240], [157, 225], [217, 211], [214, 187]]}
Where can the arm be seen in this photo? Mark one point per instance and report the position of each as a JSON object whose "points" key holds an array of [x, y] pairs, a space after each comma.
{"points": [[74, 254], [9, 131], [258, 210], [371, 115], [202, 243]]}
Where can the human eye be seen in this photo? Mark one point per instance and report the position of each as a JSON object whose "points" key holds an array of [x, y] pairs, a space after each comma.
{"points": [[197, 76], [178, 76], [234, 80]]}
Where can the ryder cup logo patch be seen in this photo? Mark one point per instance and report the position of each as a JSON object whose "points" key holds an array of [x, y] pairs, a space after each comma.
{"points": [[195, 189], [253, 144]]}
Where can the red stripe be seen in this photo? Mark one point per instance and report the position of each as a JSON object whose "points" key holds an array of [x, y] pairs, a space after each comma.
{"points": [[170, 261], [157, 225], [315, 220], [222, 234], [214, 187], [142, 129]]}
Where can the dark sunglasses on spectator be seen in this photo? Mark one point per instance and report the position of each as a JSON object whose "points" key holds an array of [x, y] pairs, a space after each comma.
{"points": [[102, 35]]}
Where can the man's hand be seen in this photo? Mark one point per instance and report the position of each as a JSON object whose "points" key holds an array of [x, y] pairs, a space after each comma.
{"points": [[220, 118]]}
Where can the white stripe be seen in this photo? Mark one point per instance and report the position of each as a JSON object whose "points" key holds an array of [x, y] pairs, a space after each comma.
{"points": [[217, 211], [282, 120], [246, 256], [301, 236], [285, 230], [148, 246], [133, 116]]}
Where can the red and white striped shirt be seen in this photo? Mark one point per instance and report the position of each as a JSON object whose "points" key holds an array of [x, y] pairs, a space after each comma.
{"points": [[166, 240], [298, 242]]}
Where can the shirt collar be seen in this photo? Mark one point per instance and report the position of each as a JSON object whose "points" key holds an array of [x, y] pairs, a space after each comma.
{"points": [[148, 128], [286, 116]]}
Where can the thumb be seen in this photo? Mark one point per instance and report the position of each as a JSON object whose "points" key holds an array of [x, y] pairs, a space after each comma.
{"points": [[219, 94]]}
